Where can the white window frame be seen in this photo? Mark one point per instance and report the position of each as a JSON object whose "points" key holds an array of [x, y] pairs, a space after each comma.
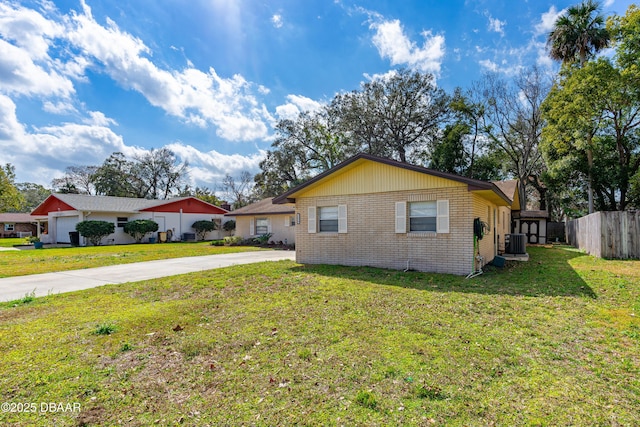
{"points": [[328, 213], [258, 231], [289, 221], [9, 226], [402, 211], [430, 205]]}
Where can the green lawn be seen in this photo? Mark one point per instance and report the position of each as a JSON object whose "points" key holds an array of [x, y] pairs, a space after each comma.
{"points": [[19, 263], [9, 242], [555, 341]]}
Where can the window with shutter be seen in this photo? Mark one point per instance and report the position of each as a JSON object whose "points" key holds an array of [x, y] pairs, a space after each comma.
{"points": [[328, 222], [442, 216], [422, 216], [311, 226], [401, 217], [342, 218], [262, 226]]}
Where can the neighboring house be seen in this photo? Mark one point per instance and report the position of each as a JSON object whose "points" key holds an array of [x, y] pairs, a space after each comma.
{"points": [[533, 224], [378, 212], [264, 217], [175, 216], [20, 224]]}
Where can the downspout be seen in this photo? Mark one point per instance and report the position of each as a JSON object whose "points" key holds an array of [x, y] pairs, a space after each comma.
{"points": [[180, 223]]}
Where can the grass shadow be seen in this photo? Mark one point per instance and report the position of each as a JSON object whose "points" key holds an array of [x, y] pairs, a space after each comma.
{"points": [[547, 273]]}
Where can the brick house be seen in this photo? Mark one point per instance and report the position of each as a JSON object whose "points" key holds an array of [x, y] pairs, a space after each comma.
{"points": [[264, 217], [21, 224], [379, 212]]}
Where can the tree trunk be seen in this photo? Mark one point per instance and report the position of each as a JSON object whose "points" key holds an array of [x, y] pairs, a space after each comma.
{"points": [[590, 177]]}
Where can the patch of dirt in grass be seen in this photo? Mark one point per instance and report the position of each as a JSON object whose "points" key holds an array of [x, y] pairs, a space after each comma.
{"points": [[92, 416]]}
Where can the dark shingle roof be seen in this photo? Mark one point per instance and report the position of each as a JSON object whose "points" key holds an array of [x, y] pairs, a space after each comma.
{"points": [[263, 207]]}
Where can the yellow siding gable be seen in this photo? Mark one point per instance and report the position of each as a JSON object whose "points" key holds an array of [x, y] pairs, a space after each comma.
{"points": [[365, 177]]}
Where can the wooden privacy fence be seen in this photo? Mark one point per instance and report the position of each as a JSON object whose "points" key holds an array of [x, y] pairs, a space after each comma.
{"points": [[607, 234], [555, 232]]}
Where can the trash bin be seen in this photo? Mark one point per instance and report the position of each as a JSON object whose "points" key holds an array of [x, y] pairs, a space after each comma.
{"points": [[74, 236], [162, 236], [152, 239]]}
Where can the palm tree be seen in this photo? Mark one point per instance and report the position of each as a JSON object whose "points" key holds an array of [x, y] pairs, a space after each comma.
{"points": [[577, 35]]}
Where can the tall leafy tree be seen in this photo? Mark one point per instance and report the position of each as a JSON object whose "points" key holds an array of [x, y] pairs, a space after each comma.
{"points": [[153, 175], [625, 32], [578, 34], [461, 147], [10, 197], [310, 144], [203, 193], [32, 194], [158, 173], [116, 177], [514, 122], [238, 191], [77, 180], [396, 116], [593, 116]]}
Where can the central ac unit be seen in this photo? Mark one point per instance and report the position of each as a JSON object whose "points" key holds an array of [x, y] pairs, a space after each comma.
{"points": [[517, 244]]}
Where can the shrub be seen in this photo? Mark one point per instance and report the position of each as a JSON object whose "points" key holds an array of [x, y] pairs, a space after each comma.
{"points": [[140, 228], [263, 239], [95, 230], [217, 242], [202, 227], [229, 226], [233, 240]]}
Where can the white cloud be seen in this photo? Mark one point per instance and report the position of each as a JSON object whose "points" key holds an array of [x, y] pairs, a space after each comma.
{"points": [[10, 128], [97, 118], [209, 168], [296, 105], [21, 75], [381, 76], [392, 43], [276, 20], [58, 107], [496, 25], [197, 97], [28, 29], [547, 21], [489, 65], [608, 3], [52, 148], [43, 154]]}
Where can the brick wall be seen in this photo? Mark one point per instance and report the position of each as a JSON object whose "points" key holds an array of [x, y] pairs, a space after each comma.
{"points": [[371, 239], [18, 227]]}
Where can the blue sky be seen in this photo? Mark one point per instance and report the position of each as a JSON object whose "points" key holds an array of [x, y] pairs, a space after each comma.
{"points": [[209, 79]]}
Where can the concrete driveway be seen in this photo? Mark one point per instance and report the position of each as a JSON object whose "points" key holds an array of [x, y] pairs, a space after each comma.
{"points": [[13, 288]]}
